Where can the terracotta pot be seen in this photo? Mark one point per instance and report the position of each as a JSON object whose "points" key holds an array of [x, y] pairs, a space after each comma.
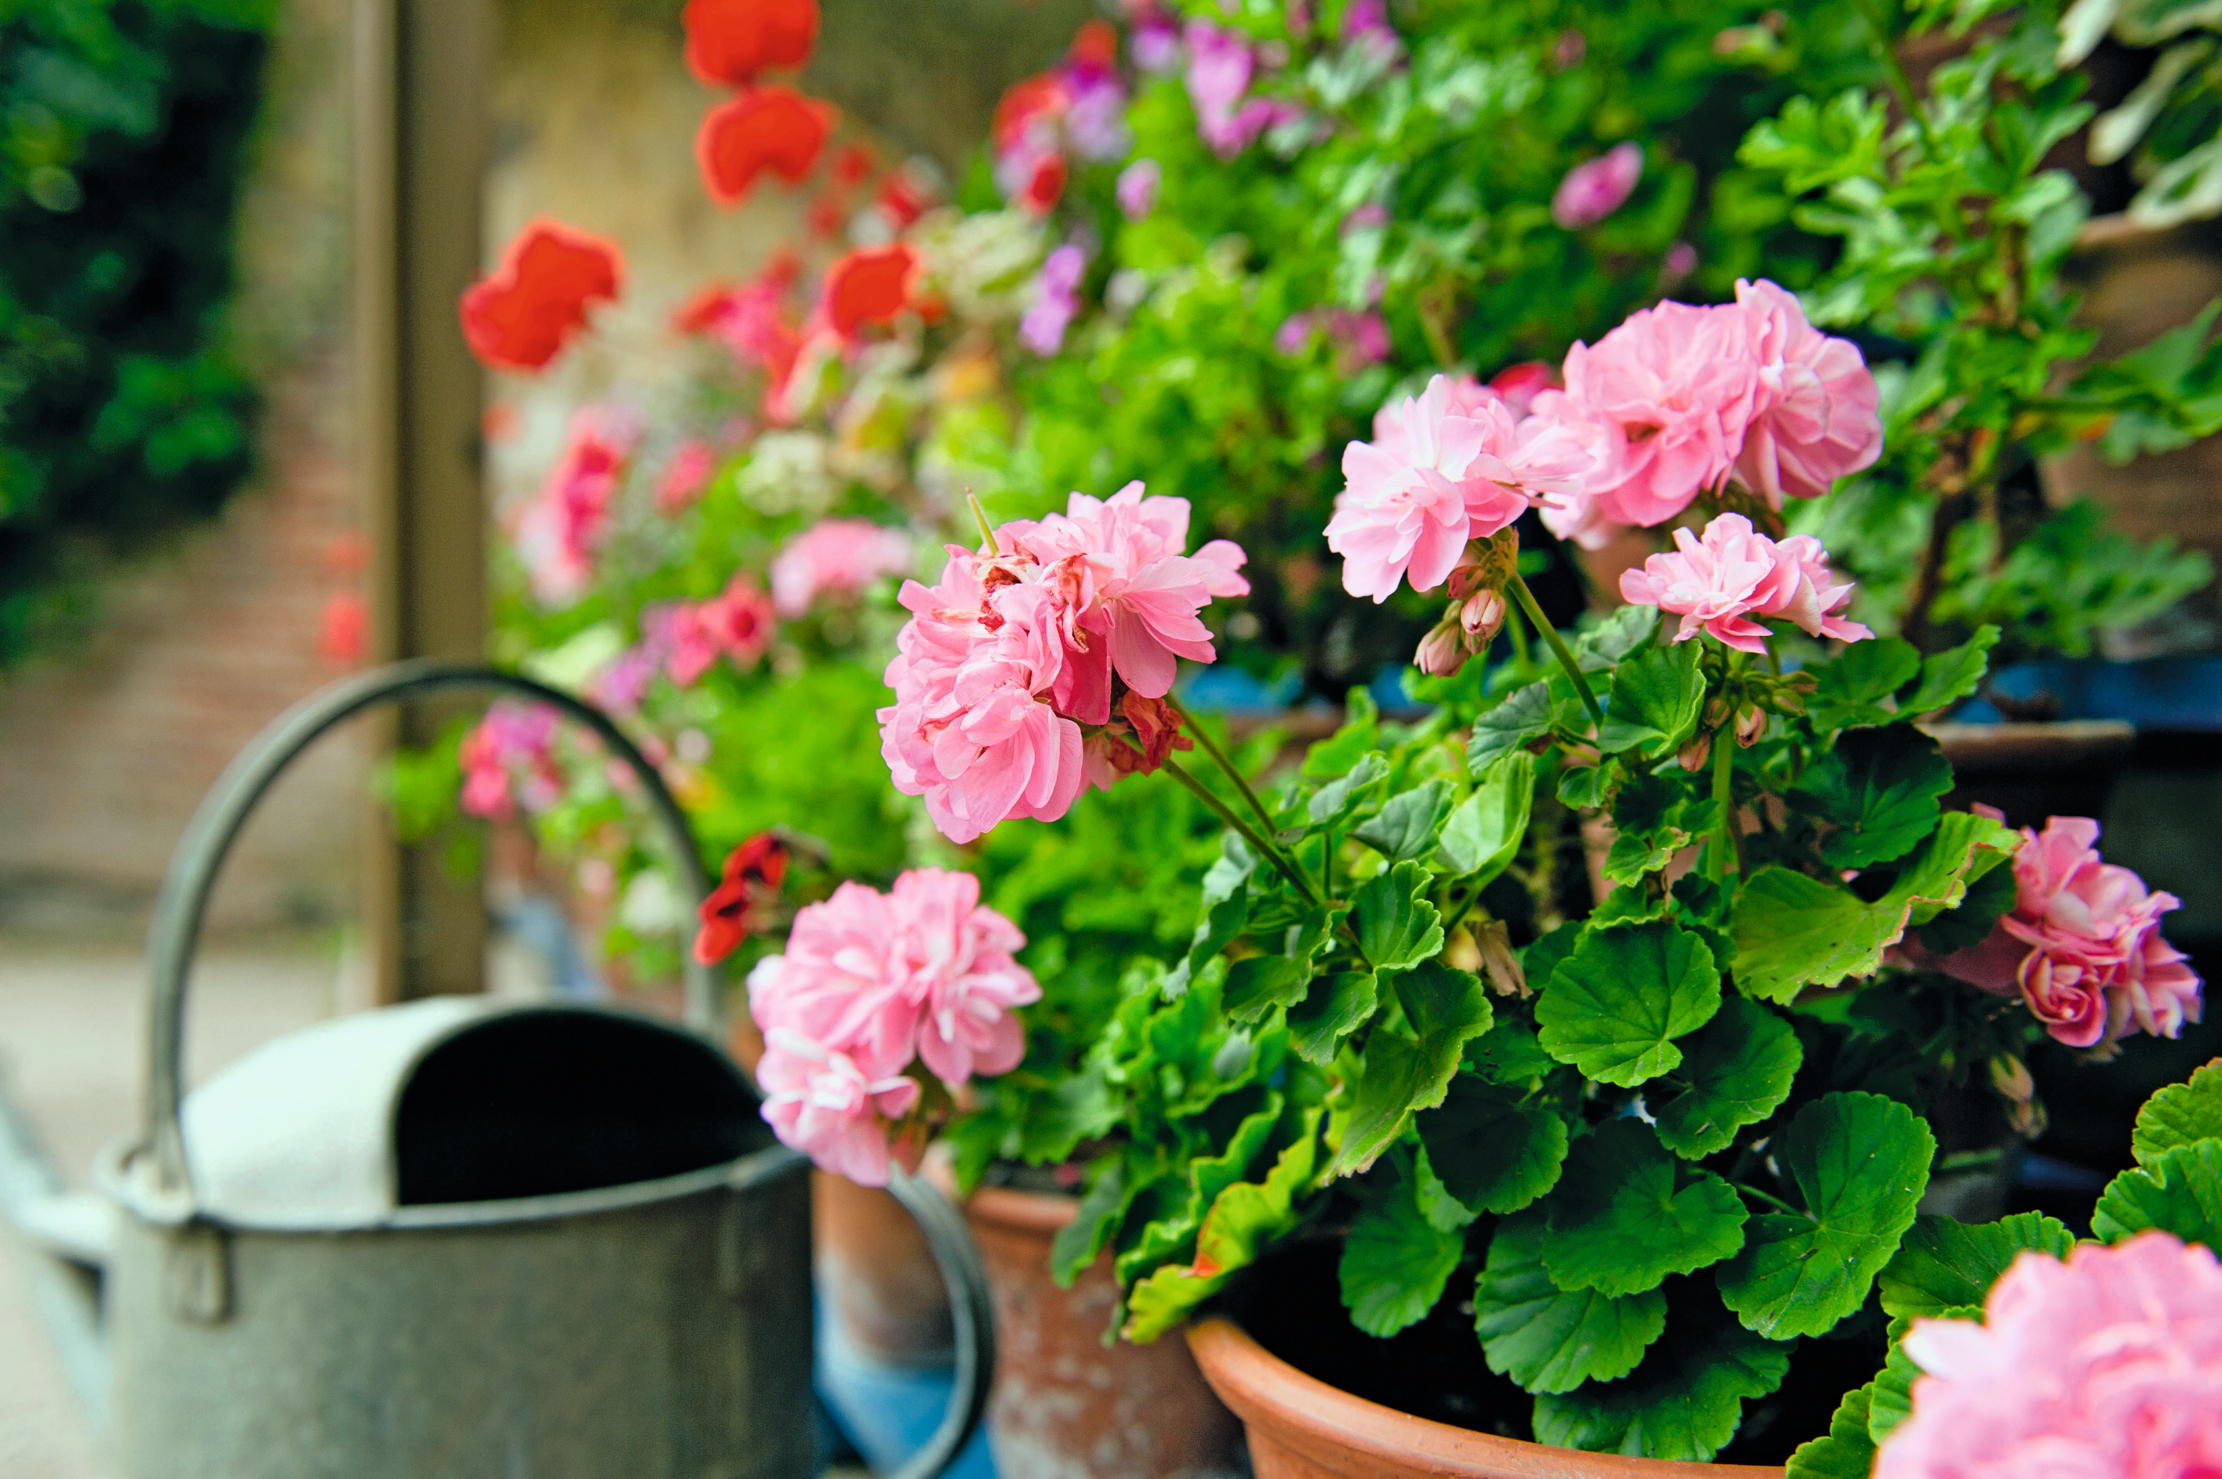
{"points": [[2032, 771], [1302, 1428], [1066, 1406]]}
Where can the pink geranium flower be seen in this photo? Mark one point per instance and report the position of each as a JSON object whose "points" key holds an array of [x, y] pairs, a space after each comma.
{"points": [[1678, 383], [685, 475], [559, 532], [2107, 1365], [1813, 417], [1056, 300], [832, 1108], [1446, 467], [1595, 188], [736, 624], [836, 557], [1723, 582], [1137, 188], [1221, 64], [2082, 943]]}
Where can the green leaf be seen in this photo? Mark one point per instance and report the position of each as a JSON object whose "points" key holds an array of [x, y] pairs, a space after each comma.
{"points": [[1509, 1054], [1524, 717], [1482, 835], [1397, 926], [1653, 702], [1333, 1009], [1847, 1452], [1614, 1007], [1860, 1163], [1241, 1221], [1548, 1339], [1792, 931], [1582, 787], [1401, 1074], [1492, 1151], [1855, 686], [1626, 1214], [2179, 1115], [1361, 731], [1684, 1402], [1226, 911], [1890, 1394], [1879, 791], [1405, 825], [1258, 983], [1953, 674], [2178, 1191], [1944, 1264], [1344, 795], [1080, 1241], [1735, 1070], [1615, 636], [1395, 1262]]}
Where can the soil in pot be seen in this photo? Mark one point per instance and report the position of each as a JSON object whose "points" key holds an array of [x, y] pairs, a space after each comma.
{"points": [[1290, 1304], [1066, 1406]]}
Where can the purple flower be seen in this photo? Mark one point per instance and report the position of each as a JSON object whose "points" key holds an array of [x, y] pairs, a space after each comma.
{"points": [[1220, 67], [1368, 217], [1056, 301], [1137, 189], [1366, 24], [1095, 121], [1595, 188], [1155, 44], [1360, 338]]}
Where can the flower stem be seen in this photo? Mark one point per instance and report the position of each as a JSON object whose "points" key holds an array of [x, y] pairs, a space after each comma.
{"points": [[1219, 758], [1728, 856], [980, 516], [1263, 844], [1557, 644]]}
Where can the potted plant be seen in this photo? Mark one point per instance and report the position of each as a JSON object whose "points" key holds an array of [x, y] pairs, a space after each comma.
{"points": [[1664, 1141]]}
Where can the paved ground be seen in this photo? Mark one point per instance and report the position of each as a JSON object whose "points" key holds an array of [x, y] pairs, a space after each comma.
{"points": [[71, 1016]]}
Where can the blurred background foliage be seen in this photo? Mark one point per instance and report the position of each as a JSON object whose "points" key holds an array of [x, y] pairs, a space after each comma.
{"points": [[125, 410]]}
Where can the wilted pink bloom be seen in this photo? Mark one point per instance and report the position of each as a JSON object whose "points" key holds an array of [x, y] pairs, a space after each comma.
{"points": [[736, 624], [838, 557], [1720, 583], [559, 531], [1678, 382], [2082, 943], [1595, 188], [1056, 300], [1435, 479], [685, 475], [832, 1108], [1813, 417], [2107, 1365], [1137, 188], [1013, 651]]}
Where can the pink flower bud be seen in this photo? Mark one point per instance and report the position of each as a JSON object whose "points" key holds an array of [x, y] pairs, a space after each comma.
{"points": [[1482, 616], [1694, 754], [1751, 725], [1442, 651]]}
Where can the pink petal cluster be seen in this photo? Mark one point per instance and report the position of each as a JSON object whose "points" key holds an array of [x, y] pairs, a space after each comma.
{"points": [[1691, 396], [1722, 582], [736, 625], [2082, 943], [2105, 1366], [685, 475], [1221, 65], [1446, 467], [835, 557], [508, 758], [1595, 188], [870, 983], [1012, 652], [1360, 336], [560, 530], [1056, 300]]}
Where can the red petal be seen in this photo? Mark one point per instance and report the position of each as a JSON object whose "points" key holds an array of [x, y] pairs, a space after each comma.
{"points": [[521, 316], [1029, 98], [766, 130], [730, 41], [1095, 46], [869, 286], [1044, 185]]}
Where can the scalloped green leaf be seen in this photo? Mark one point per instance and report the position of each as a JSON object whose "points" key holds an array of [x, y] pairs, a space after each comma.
{"points": [[1860, 1163], [1879, 791], [1626, 1214], [1482, 834], [1846, 1452], [1856, 686], [1258, 983], [1346, 793], [1397, 926], [1653, 702], [1735, 1071], [2179, 1115], [2177, 1191], [1953, 674], [1395, 1261], [1525, 715], [1492, 1150], [1335, 1006], [1613, 1007], [1684, 1402], [1945, 1264], [1402, 1074], [1549, 1339], [1405, 826]]}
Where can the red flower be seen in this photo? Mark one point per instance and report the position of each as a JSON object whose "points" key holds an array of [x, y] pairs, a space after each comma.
{"points": [[872, 285], [853, 165], [1095, 47], [1044, 185], [826, 215], [346, 634], [730, 41], [738, 906], [902, 200], [772, 130], [1030, 100], [521, 315]]}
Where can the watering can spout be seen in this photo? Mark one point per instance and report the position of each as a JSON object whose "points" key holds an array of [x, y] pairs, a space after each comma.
{"points": [[71, 1230]]}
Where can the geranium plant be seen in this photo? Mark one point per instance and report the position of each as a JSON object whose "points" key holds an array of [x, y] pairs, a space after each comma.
{"points": [[1616, 997]]}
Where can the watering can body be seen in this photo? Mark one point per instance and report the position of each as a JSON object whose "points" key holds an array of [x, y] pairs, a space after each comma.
{"points": [[461, 1240]]}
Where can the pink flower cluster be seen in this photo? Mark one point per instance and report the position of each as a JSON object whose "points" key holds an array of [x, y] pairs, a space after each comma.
{"points": [[1221, 66], [736, 624], [1722, 582], [559, 531], [1446, 467], [1040, 667], [835, 557], [870, 983], [1687, 397], [1595, 188], [508, 758], [2105, 1366], [2082, 943]]}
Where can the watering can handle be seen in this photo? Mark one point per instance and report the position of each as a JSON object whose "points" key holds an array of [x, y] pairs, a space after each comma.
{"points": [[972, 1323], [183, 901]]}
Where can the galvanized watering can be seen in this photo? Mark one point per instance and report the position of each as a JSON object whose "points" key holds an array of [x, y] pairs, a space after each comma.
{"points": [[460, 1240]]}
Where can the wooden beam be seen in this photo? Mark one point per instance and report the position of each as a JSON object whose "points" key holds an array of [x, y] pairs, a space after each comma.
{"points": [[422, 71]]}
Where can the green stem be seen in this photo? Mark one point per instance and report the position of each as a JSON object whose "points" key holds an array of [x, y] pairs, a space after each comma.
{"points": [[1219, 758], [1264, 845], [980, 516], [1557, 644], [1730, 855], [1327, 864], [1769, 1198]]}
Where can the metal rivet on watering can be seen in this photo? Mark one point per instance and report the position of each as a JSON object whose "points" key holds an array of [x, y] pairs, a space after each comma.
{"points": [[462, 1240]]}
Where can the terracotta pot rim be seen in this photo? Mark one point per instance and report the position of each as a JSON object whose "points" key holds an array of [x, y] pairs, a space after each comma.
{"points": [[1326, 1422], [1044, 1213]]}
